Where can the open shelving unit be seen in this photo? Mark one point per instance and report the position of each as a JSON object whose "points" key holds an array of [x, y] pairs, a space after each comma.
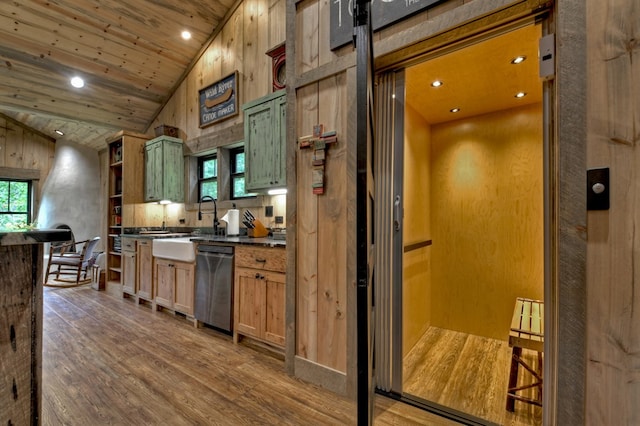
{"points": [[126, 173]]}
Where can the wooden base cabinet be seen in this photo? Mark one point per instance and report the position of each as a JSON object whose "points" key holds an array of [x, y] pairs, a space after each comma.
{"points": [[174, 285], [129, 272], [259, 296], [129, 266], [144, 270]]}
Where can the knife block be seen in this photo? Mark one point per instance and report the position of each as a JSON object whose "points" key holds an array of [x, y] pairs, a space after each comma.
{"points": [[259, 231]]}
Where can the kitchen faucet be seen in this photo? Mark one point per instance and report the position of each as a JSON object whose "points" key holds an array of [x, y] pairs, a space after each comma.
{"points": [[215, 212]]}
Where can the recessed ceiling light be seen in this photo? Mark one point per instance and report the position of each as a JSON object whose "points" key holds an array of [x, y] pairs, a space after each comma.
{"points": [[77, 82], [437, 83], [454, 110], [521, 95], [518, 59], [60, 132], [186, 35]]}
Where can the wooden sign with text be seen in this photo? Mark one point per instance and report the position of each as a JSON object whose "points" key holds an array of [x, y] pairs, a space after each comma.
{"points": [[219, 101]]}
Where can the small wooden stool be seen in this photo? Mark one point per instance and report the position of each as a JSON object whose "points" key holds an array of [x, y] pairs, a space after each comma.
{"points": [[527, 331]]}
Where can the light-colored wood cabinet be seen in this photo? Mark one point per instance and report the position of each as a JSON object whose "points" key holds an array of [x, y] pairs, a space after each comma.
{"points": [[184, 287], [129, 286], [124, 190], [164, 170], [259, 297], [265, 142], [129, 273], [174, 285], [164, 278], [144, 270]]}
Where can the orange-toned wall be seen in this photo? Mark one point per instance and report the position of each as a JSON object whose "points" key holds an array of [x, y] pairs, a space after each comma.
{"points": [[487, 219], [416, 281]]}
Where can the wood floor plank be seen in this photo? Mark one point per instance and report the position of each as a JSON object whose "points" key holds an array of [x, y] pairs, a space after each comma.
{"points": [[469, 374], [111, 361]]}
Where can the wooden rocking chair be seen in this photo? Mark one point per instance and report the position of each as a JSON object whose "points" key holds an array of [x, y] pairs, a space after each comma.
{"points": [[70, 261]]}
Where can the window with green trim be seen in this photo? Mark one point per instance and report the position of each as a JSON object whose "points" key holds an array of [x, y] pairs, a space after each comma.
{"points": [[208, 176], [15, 203], [238, 189]]}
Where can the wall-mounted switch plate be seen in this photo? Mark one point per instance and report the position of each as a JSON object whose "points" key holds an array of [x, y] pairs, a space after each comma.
{"points": [[547, 48], [268, 211], [279, 220], [598, 189]]}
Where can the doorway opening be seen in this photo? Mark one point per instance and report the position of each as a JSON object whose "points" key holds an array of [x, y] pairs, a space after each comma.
{"points": [[466, 202]]}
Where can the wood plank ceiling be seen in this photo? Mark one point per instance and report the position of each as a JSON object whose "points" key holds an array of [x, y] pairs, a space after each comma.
{"points": [[129, 52]]}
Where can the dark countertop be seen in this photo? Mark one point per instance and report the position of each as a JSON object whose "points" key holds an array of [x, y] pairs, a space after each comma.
{"points": [[33, 236], [210, 238], [269, 242], [154, 236]]}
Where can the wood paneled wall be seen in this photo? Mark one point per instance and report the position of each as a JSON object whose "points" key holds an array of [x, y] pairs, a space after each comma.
{"points": [[22, 148], [417, 267], [322, 231], [613, 253], [487, 219], [253, 28]]}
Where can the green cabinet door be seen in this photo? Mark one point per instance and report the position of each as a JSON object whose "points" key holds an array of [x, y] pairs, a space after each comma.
{"points": [[265, 136], [164, 170]]}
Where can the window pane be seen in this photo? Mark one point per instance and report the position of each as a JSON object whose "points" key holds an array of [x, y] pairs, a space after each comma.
{"points": [[209, 188], [209, 168], [239, 188], [238, 166], [12, 221], [19, 196]]}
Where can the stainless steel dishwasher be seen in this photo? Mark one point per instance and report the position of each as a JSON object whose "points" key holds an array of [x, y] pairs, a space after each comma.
{"points": [[214, 286]]}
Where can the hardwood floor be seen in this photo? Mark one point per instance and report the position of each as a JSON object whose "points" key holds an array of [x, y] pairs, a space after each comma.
{"points": [[467, 373], [109, 361]]}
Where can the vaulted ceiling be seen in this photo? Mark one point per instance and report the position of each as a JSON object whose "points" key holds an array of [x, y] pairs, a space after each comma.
{"points": [[129, 52], [132, 57]]}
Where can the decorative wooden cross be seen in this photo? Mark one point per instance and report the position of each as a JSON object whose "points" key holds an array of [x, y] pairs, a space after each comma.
{"points": [[319, 141]]}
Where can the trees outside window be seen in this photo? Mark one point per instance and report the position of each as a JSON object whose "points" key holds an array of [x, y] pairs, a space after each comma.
{"points": [[208, 176], [238, 189], [15, 203]]}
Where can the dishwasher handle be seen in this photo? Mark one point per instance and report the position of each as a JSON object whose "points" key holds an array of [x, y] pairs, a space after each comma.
{"points": [[209, 248]]}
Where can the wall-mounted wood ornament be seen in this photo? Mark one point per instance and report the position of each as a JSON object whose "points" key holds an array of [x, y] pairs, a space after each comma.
{"points": [[319, 141], [278, 66]]}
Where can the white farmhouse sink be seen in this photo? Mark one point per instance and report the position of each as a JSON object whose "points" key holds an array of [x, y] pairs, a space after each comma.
{"points": [[181, 249]]}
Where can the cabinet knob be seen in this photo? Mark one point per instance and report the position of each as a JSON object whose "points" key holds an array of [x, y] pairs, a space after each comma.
{"points": [[257, 276]]}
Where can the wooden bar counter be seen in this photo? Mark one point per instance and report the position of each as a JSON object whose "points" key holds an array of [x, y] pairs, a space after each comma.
{"points": [[21, 257]]}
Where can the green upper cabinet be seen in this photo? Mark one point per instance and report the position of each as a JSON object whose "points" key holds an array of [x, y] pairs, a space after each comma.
{"points": [[265, 142], [164, 170]]}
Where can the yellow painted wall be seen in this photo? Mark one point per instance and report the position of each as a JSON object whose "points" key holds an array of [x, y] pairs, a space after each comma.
{"points": [[487, 219], [417, 217]]}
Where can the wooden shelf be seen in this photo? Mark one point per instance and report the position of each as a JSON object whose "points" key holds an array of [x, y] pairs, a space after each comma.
{"points": [[124, 188]]}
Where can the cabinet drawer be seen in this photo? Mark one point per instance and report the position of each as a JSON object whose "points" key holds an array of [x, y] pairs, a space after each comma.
{"points": [[268, 259], [128, 244]]}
